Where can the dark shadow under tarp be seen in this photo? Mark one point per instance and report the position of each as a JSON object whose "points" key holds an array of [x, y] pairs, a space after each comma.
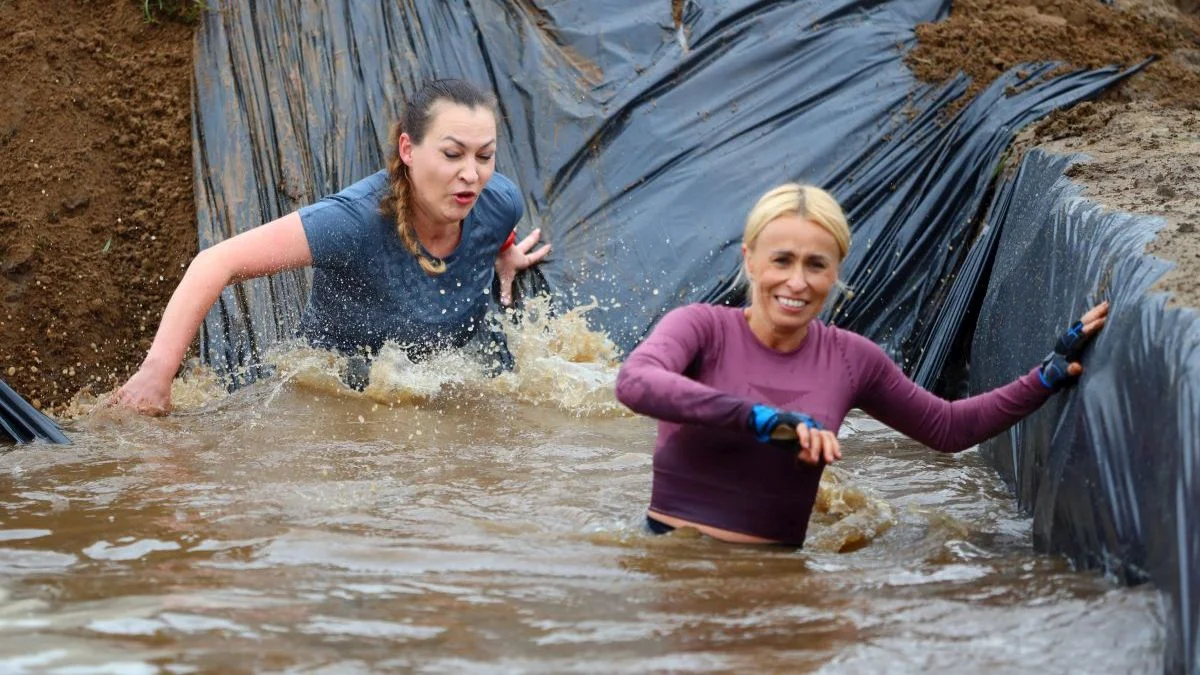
{"points": [[640, 145]]}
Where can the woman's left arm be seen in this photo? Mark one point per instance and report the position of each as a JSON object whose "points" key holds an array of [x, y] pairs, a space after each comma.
{"points": [[952, 426]]}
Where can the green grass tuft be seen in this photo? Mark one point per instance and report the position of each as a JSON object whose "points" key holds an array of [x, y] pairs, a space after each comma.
{"points": [[185, 11]]}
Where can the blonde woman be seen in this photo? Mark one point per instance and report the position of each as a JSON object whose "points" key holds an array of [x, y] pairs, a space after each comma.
{"points": [[749, 400]]}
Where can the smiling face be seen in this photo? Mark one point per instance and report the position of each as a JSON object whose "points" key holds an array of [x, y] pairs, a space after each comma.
{"points": [[450, 165], [792, 265]]}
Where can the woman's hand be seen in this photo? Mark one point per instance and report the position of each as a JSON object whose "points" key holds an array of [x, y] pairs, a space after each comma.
{"points": [[791, 429], [817, 445], [515, 259], [148, 391], [1062, 366]]}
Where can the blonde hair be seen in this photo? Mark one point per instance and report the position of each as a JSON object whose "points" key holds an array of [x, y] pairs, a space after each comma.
{"points": [[806, 201], [418, 114]]}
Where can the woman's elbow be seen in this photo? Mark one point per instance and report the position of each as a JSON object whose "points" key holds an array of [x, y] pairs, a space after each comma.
{"points": [[949, 445], [630, 388], [212, 265], [622, 389]]}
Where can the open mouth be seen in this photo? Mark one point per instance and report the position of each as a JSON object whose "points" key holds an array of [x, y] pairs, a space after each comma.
{"points": [[464, 198]]}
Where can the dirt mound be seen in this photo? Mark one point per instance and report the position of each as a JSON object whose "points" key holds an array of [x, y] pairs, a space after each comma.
{"points": [[1143, 159], [1143, 136], [96, 203], [985, 38]]}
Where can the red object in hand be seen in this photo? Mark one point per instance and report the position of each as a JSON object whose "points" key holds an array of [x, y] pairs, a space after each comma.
{"points": [[512, 239]]}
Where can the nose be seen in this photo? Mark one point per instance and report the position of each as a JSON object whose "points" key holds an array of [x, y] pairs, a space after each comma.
{"points": [[798, 281], [470, 172]]}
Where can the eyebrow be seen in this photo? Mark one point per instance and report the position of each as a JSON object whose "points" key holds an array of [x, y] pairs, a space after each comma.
{"points": [[790, 252], [455, 140]]}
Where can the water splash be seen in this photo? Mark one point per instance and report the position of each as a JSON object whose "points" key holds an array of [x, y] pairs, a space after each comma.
{"points": [[844, 517], [560, 362]]}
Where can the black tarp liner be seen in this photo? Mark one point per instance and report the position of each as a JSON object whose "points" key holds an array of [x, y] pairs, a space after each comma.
{"points": [[22, 423], [640, 145], [1110, 469]]}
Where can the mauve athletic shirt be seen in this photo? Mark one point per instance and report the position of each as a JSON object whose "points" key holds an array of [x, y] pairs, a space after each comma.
{"points": [[701, 370]]}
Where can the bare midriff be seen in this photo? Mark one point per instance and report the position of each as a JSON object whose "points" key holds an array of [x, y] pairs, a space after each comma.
{"points": [[714, 532]]}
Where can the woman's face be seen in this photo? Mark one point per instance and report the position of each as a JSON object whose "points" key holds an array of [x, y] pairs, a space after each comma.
{"points": [[449, 167], [792, 267]]}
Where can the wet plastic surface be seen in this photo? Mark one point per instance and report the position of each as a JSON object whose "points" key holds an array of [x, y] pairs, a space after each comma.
{"points": [[1107, 469], [22, 423], [639, 145]]}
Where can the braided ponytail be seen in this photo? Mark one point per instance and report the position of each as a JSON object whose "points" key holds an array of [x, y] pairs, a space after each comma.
{"points": [[395, 204], [415, 121]]}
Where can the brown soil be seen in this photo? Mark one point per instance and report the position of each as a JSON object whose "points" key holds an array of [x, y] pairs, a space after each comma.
{"points": [[1144, 159], [985, 38], [1143, 136], [96, 203]]}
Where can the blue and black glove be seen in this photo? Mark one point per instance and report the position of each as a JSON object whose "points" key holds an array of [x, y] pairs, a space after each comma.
{"points": [[1067, 350], [777, 426]]}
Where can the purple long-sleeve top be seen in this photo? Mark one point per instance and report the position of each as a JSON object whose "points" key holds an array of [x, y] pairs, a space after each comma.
{"points": [[700, 372]]}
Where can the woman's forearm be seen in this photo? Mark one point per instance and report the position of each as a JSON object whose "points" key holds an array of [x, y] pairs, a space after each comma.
{"points": [[200, 287]]}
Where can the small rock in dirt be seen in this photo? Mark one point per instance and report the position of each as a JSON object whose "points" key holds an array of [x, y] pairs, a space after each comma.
{"points": [[76, 203], [1187, 228], [1165, 191]]}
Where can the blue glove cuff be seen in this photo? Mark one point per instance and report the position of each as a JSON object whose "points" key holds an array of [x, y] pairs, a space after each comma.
{"points": [[763, 420]]}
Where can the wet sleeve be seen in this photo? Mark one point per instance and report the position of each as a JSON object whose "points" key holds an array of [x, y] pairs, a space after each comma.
{"points": [[336, 229], [885, 393], [652, 381]]}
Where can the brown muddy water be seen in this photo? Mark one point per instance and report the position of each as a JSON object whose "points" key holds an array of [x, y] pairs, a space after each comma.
{"points": [[443, 522]]}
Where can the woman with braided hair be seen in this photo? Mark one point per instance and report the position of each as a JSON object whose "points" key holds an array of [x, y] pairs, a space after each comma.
{"points": [[406, 255], [749, 400]]}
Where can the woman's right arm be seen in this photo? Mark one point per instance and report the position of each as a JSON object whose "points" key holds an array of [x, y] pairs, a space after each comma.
{"points": [[274, 247], [651, 381]]}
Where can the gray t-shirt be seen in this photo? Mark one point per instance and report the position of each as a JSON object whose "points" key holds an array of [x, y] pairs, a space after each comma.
{"points": [[368, 289]]}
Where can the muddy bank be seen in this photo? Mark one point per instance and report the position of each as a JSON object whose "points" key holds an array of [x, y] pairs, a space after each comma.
{"points": [[1144, 159], [96, 206], [1143, 135]]}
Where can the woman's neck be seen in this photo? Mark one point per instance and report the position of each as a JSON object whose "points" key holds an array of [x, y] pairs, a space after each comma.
{"points": [[772, 337], [440, 238]]}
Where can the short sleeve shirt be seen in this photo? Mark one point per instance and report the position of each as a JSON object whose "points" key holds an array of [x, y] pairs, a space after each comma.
{"points": [[368, 289]]}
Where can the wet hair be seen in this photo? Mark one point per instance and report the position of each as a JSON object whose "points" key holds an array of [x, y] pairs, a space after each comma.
{"points": [[417, 116], [808, 202]]}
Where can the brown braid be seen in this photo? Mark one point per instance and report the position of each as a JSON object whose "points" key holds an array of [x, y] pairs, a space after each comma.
{"points": [[415, 120], [396, 205]]}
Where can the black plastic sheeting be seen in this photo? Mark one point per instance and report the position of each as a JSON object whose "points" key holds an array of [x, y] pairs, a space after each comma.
{"points": [[20, 422], [639, 145], [1111, 469]]}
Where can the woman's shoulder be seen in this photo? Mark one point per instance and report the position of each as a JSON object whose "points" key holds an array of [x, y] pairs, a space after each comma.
{"points": [[363, 194], [862, 356], [697, 314], [501, 189], [500, 184], [501, 200]]}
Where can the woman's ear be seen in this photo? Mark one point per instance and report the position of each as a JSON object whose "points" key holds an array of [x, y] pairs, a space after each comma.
{"points": [[404, 147], [746, 262]]}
